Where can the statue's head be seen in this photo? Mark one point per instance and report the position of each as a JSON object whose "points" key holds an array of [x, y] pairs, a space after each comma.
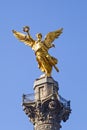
{"points": [[39, 36]]}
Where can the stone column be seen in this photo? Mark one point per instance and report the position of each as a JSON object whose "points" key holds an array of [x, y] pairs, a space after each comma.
{"points": [[48, 108]]}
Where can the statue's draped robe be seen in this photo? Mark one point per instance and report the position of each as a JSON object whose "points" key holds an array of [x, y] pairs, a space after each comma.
{"points": [[44, 59]]}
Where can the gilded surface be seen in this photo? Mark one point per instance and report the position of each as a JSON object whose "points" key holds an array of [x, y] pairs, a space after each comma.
{"points": [[44, 59]]}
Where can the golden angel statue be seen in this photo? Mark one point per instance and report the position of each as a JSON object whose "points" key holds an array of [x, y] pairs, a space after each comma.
{"points": [[45, 61]]}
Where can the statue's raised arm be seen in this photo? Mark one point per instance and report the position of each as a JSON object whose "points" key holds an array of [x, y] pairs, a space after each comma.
{"points": [[27, 39]]}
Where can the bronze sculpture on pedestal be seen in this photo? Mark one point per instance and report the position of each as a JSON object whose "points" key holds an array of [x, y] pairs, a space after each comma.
{"points": [[48, 108]]}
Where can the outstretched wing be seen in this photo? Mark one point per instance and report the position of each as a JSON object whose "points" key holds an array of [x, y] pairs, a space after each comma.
{"points": [[24, 38], [51, 36]]}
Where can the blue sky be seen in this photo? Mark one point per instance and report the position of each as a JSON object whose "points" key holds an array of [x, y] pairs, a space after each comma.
{"points": [[18, 66]]}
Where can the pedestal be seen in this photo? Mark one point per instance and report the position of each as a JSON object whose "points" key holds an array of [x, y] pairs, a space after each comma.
{"points": [[48, 108]]}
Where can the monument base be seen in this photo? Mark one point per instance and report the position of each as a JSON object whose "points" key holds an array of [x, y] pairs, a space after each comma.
{"points": [[48, 108]]}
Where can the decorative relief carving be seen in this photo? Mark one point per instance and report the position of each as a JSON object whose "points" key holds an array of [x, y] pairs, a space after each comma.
{"points": [[50, 111]]}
